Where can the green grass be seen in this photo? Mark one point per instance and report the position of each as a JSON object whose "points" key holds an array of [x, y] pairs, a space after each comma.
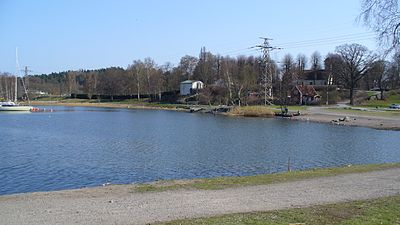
{"points": [[385, 211], [370, 93], [388, 113], [229, 182], [391, 98]]}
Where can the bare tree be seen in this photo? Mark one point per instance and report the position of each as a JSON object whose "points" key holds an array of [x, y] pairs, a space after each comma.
{"points": [[287, 77], [111, 82], [228, 67], [137, 69], [188, 64], [331, 62], [383, 17], [71, 82], [380, 72], [90, 83], [352, 64], [6, 86], [158, 82], [315, 61], [207, 67], [301, 64], [394, 72], [149, 66]]}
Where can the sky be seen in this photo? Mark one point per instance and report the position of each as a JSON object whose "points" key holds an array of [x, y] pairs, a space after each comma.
{"points": [[55, 36]]}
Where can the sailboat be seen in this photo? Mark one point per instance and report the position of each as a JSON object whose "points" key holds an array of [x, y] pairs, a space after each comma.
{"points": [[12, 105]]}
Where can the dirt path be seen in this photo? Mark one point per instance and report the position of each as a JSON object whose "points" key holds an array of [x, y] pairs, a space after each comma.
{"points": [[121, 205]]}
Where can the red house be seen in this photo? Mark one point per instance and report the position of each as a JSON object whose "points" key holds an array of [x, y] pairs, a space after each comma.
{"points": [[305, 95]]}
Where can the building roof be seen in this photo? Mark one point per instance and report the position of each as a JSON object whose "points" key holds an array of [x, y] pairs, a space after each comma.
{"points": [[307, 90], [190, 81], [187, 82]]}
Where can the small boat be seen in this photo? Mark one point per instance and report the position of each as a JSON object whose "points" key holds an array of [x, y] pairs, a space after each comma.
{"points": [[11, 106], [285, 114]]}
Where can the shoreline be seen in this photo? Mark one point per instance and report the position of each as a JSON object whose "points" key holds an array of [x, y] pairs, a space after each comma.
{"points": [[226, 182], [314, 114], [122, 204], [351, 119], [103, 105]]}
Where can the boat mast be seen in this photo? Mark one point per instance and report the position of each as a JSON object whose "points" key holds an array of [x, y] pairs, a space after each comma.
{"points": [[16, 75]]}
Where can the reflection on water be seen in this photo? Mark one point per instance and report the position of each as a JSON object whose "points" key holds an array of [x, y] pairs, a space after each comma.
{"points": [[79, 147]]}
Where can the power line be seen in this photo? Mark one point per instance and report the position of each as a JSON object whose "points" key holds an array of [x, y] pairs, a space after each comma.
{"points": [[312, 42], [325, 43], [339, 37]]}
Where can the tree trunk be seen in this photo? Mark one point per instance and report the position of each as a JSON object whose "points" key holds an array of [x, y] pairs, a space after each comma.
{"points": [[138, 91], [239, 95], [351, 95], [230, 88]]}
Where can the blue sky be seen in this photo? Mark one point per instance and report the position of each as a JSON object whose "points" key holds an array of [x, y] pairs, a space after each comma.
{"points": [[55, 36]]}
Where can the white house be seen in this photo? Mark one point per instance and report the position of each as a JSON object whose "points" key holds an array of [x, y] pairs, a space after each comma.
{"points": [[187, 87]]}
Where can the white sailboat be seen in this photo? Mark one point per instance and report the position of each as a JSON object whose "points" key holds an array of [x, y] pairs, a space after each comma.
{"points": [[12, 105]]}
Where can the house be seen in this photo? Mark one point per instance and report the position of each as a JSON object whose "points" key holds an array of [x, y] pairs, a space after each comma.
{"points": [[313, 77], [304, 95], [189, 87]]}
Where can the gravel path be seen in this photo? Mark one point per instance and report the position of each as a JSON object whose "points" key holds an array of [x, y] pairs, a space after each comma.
{"points": [[119, 204]]}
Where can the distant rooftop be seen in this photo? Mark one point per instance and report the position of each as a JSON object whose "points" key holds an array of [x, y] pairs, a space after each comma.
{"points": [[187, 82]]}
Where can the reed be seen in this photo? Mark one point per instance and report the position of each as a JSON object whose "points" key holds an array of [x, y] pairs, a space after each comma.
{"points": [[251, 111]]}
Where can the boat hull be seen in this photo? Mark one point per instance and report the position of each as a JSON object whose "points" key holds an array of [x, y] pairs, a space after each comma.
{"points": [[15, 108]]}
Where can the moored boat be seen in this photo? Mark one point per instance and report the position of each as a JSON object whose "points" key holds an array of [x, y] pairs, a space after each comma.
{"points": [[11, 106]]}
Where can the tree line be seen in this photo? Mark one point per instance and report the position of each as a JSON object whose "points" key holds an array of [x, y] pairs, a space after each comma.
{"points": [[228, 80]]}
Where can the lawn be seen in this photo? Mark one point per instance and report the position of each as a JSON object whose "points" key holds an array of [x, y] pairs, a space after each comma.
{"points": [[385, 211], [384, 113], [229, 182], [392, 97]]}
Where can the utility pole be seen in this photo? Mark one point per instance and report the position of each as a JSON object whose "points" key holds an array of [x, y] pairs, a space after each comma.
{"points": [[26, 78], [25, 82], [329, 82], [267, 75]]}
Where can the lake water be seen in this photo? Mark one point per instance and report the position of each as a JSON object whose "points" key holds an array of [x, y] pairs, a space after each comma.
{"points": [[81, 147]]}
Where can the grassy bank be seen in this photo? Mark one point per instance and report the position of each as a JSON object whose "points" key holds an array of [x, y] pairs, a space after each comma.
{"points": [[391, 97], [251, 111], [385, 211], [229, 182], [388, 113]]}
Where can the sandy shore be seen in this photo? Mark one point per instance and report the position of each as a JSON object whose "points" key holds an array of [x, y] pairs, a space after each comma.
{"points": [[319, 114], [120, 204]]}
